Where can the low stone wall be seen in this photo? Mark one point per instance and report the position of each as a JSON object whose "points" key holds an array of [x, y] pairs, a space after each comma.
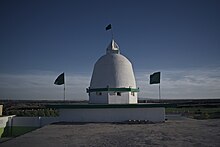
{"points": [[14, 126], [33, 121]]}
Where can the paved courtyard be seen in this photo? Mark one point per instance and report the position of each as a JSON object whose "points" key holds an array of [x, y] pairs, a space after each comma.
{"points": [[186, 132]]}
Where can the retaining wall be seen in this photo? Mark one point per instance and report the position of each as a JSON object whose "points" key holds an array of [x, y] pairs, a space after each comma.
{"points": [[112, 114]]}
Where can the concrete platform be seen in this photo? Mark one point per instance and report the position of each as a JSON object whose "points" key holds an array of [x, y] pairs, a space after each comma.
{"points": [[110, 112]]}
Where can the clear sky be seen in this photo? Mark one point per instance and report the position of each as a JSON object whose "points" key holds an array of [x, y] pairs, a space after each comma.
{"points": [[39, 39]]}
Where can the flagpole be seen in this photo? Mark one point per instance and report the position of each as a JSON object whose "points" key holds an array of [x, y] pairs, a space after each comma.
{"points": [[112, 33], [109, 27], [60, 80], [159, 92], [64, 92], [64, 89]]}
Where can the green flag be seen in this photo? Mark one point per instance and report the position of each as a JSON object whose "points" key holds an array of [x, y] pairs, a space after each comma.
{"points": [[108, 27], [155, 78], [59, 80]]}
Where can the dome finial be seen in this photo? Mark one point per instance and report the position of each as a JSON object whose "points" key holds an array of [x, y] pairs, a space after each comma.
{"points": [[113, 48]]}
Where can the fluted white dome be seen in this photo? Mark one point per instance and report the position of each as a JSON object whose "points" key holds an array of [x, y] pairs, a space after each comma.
{"points": [[113, 79], [113, 70]]}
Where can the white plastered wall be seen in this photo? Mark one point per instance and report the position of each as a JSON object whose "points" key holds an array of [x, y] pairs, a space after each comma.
{"points": [[112, 114]]}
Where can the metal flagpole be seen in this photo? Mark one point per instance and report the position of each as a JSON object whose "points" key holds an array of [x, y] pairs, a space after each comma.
{"points": [[112, 32], [159, 92], [64, 88], [64, 91], [109, 27]]}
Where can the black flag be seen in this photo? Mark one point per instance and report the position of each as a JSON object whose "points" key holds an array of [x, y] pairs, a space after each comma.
{"points": [[155, 78], [108, 27], [59, 80]]}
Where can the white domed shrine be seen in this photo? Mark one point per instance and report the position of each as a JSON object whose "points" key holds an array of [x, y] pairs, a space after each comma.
{"points": [[112, 94], [113, 80]]}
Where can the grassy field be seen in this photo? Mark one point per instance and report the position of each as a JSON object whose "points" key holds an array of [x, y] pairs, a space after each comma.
{"points": [[193, 108], [196, 112]]}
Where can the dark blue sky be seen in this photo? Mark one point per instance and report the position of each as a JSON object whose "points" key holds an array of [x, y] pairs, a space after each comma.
{"points": [[69, 35]]}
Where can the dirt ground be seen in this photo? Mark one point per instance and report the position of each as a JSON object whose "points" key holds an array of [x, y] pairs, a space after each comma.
{"points": [[188, 132]]}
